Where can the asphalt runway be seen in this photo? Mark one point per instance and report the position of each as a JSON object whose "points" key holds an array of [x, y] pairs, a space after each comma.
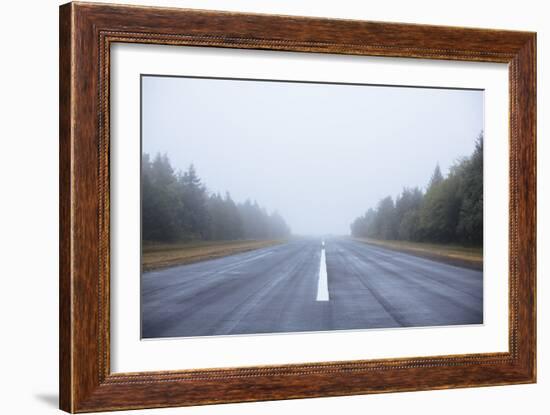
{"points": [[304, 286]]}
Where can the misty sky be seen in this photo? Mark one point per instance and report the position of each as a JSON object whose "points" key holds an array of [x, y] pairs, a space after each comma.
{"points": [[319, 154]]}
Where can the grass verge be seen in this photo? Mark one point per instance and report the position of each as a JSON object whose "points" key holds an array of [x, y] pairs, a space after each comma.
{"points": [[155, 255], [470, 257]]}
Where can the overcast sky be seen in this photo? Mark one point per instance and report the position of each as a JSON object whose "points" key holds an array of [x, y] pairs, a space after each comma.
{"points": [[319, 154]]}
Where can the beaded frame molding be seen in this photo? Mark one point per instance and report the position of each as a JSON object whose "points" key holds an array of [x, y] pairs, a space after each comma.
{"points": [[86, 33]]}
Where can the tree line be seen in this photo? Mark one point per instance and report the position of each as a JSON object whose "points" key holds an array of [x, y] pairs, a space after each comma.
{"points": [[177, 206], [449, 211]]}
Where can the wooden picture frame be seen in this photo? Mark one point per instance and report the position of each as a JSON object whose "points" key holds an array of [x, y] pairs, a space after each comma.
{"points": [[86, 33]]}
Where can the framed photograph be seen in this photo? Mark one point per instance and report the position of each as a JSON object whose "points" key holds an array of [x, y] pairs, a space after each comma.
{"points": [[258, 207]]}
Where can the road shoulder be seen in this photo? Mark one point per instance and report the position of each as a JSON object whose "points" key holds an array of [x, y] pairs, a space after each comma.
{"points": [[463, 257], [159, 256]]}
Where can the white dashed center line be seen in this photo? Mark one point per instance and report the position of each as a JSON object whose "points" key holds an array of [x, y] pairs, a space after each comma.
{"points": [[322, 286]]}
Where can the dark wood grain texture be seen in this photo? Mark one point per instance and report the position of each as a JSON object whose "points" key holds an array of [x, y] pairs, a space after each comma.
{"points": [[65, 249], [86, 33]]}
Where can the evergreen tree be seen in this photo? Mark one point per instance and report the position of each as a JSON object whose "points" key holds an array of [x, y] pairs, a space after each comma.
{"points": [[386, 219], [451, 210], [470, 222], [160, 210], [363, 226], [177, 207], [233, 219], [439, 212], [278, 227], [407, 208], [195, 215], [437, 177]]}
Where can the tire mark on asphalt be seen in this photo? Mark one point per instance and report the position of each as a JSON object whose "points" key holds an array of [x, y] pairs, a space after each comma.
{"points": [[206, 295], [247, 305], [382, 258], [396, 315], [150, 277], [448, 298], [424, 265]]}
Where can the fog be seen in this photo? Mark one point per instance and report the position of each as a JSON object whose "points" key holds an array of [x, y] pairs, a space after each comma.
{"points": [[319, 154]]}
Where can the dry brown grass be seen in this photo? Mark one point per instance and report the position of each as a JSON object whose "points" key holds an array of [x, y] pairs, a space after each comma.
{"points": [[156, 256], [454, 254]]}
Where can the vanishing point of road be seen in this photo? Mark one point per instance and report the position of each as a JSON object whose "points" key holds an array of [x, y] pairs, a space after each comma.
{"points": [[305, 285]]}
